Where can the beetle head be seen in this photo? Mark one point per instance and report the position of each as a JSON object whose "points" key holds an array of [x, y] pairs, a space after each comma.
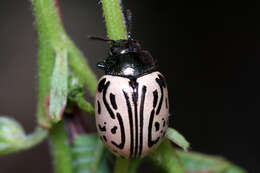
{"points": [[126, 54]]}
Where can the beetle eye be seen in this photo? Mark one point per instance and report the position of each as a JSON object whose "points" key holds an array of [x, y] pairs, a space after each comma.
{"points": [[101, 65]]}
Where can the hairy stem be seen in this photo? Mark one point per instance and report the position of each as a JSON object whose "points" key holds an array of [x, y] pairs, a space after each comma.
{"points": [[46, 19], [51, 34], [114, 19], [52, 37], [81, 68], [165, 156], [60, 149], [85, 105], [35, 138]]}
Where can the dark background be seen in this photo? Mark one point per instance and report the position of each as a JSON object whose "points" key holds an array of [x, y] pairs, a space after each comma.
{"points": [[206, 49]]}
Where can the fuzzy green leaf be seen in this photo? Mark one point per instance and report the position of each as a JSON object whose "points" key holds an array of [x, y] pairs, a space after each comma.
{"points": [[196, 162], [79, 65], [166, 158], [76, 94], [86, 154], [59, 86], [177, 138], [13, 137], [50, 34], [85, 105]]}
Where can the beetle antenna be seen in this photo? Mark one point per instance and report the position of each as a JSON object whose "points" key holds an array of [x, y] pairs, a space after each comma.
{"points": [[129, 22], [100, 39]]}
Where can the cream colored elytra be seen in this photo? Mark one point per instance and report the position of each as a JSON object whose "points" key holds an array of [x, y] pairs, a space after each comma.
{"points": [[132, 114]]}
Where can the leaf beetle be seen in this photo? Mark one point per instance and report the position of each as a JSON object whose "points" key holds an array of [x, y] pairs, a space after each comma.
{"points": [[131, 105]]}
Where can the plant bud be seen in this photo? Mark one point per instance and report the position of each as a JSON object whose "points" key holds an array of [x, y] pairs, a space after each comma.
{"points": [[11, 135]]}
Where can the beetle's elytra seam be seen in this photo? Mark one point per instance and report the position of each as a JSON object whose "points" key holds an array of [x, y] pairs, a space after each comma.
{"points": [[134, 86], [142, 119]]}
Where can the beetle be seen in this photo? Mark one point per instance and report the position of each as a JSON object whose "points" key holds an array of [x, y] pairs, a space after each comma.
{"points": [[131, 105]]}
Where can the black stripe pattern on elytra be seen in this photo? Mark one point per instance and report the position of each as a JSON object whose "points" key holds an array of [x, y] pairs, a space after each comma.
{"points": [[102, 129], [122, 129], [157, 126], [130, 115], [136, 122], [142, 119], [155, 96], [151, 142], [161, 82], [99, 107], [113, 130], [103, 86], [113, 101], [134, 86]]}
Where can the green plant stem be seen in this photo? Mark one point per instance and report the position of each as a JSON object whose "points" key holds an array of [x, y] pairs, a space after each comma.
{"points": [[114, 19], [81, 68], [44, 21], [85, 105], [13, 137], [52, 37], [177, 138], [35, 138], [61, 153]]}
